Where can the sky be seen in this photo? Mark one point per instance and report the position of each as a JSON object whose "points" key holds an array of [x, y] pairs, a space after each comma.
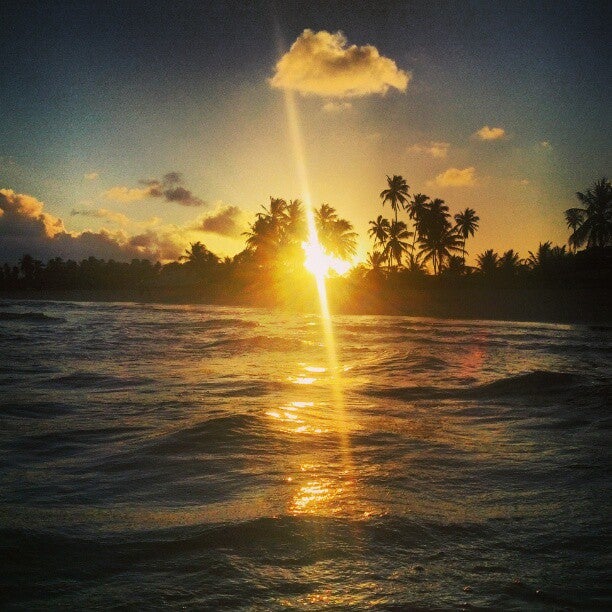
{"points": [[130, 129]]}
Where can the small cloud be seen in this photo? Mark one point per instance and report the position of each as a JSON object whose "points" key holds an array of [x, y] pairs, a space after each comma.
{"points": [[126, 194], [524, 182], [545, 144], [323, 64], [225, 220], [438, 150], [91, 176], [169, 188], [454, 177], [337, 107], [490, 133], [101, 213]]}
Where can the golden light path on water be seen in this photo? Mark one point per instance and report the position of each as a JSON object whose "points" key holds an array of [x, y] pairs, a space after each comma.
{"points": [[315, 494]]}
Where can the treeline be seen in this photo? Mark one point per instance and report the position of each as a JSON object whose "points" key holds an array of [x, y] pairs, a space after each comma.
{"points": [[425, 254]]}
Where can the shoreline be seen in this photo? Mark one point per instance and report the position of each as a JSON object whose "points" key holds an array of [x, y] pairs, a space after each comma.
{"points": [[550, 305]]}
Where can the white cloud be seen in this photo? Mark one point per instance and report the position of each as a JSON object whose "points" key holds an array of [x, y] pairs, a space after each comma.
{"points": [[91, 176], [545, 144], [438, 150], [455, 177], [323, 64], [490, 133]]}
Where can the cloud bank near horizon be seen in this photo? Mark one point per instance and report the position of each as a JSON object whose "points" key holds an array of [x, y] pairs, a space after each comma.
{"points": [[323, 64], [26, 228]]}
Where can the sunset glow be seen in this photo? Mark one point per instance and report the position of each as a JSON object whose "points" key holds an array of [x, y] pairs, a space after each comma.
{"points": [[321, 263], [306, 305]]}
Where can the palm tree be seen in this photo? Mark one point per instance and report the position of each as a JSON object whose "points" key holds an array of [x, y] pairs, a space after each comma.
{"points": [[488, 262], [466, 223], [396, 193], [509, 263], [336, 235], [574, 217], [416, 209], [397, 243], [375, 260], [379, 231], [594, 221], [198, 258], [262, 238], [280, 226], [539, 259], [294, 233], [295, 221], [438, 244]]}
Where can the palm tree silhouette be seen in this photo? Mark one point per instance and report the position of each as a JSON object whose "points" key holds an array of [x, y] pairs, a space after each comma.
{"points": [[335, 234], [594, 221], [199, 258], [379, 230], [396, 193], [397, 243], [466, 223], [488, 262], [574, 217], [509, 263], [437, 244], [416, 209], [375, 260], [539, 259]]}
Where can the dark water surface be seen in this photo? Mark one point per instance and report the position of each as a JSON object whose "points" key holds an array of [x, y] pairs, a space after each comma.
{"points": [[205, 458]]}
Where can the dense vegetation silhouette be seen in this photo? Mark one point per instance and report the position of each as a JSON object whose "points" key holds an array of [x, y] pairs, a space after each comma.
{"points": [[416, 266]]}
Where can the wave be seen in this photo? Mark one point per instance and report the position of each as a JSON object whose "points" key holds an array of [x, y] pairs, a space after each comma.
{"points": [[210, 434], [37, 317], [80, 380], [291, 534], [254, 343], [539, 382]]}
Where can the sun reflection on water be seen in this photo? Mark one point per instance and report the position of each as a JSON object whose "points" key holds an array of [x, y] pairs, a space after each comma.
{"points": [[336, 417]]}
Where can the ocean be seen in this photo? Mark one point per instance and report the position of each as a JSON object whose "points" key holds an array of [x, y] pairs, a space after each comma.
{"points": [[203, 458]]}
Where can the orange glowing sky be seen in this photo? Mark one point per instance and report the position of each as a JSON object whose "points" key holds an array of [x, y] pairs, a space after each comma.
{"points": [[499, 108]]}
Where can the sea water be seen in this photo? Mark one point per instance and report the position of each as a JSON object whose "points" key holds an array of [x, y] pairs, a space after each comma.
{"points": [[198, 457]]}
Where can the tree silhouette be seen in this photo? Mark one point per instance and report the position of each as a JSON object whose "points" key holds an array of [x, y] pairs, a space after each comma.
{"points": [[437, 244], [198, 258], [336, 235], [574, 217], [379, 230], [594, 221], [375, 260], [488, 262], [416, 209], [466, 223], [509, 263], [397, 243], [396, 193]]}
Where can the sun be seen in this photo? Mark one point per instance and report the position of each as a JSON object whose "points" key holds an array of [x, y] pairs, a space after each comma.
{"points": [[320, 263]]}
